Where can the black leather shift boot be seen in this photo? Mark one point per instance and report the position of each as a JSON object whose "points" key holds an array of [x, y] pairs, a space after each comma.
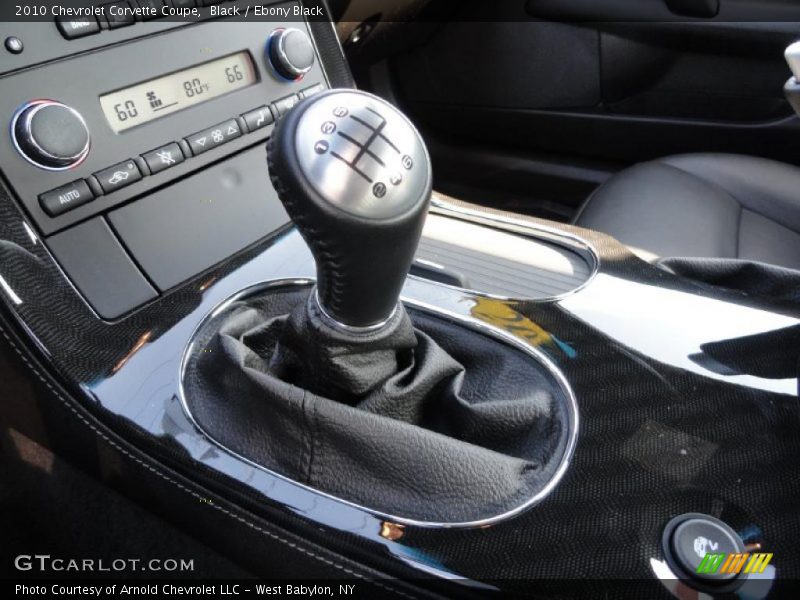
{"points": [[432, 422]]}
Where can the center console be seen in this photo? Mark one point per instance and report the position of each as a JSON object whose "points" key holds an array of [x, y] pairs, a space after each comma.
{"points": [[145, 224]]}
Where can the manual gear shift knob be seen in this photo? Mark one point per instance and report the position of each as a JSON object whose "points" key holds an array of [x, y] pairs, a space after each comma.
{"points": [[355, 177]]}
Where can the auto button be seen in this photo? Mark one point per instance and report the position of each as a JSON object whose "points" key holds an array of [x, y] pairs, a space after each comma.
{"points": [[58, 201], [118, 176]]}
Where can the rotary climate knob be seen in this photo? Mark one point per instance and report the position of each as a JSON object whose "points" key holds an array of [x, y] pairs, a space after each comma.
{"points": [[290, 52], [51, 135]]}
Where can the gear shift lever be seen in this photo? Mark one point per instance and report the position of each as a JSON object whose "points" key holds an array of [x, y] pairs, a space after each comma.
{"points": [[355, 177], [429, 419]]}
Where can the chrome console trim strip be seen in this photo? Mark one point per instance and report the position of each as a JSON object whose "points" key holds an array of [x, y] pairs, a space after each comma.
{"points": [[532, 230]]}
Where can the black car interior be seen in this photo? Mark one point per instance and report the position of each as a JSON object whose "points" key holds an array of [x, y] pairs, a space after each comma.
{"points": [[445, 298], [720, 206]]}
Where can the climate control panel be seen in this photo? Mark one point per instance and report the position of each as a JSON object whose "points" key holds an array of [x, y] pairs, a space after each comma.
{"points": [[93, 132], [140, 164], [76, 193]]}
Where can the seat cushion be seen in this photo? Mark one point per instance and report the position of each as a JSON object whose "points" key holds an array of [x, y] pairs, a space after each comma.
{"points": [[702, 205]]}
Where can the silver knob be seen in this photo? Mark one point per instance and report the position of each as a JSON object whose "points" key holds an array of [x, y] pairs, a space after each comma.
{"points": [[792, 55], [50, 135], [355, 176], [362, 155], [290, 52]]}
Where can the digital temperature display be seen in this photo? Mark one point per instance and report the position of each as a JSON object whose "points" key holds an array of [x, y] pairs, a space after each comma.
{"points": [[152, 99]]}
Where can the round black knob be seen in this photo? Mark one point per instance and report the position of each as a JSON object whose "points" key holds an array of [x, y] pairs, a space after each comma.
{"points": [[51, 135], [355, 177], [695, 548], [291, 52]]}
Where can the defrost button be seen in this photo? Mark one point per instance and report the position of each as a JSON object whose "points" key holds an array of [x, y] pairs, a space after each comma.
{"points": [[284, 105]]}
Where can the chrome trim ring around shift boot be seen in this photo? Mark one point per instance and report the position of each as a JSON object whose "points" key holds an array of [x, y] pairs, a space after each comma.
{"points": [[351, 329], [476, 325]]}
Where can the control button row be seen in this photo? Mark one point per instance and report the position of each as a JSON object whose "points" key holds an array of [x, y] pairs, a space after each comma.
{"points": [[62, 199], [72, 195], [121, 14], [255, 119]]}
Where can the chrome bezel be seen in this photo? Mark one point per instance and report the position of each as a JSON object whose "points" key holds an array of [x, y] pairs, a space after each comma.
{"points": [[471, 322], [36, 106]]}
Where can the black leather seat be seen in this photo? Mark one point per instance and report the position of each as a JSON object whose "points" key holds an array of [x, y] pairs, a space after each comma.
{"points": [[702, 205]]}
